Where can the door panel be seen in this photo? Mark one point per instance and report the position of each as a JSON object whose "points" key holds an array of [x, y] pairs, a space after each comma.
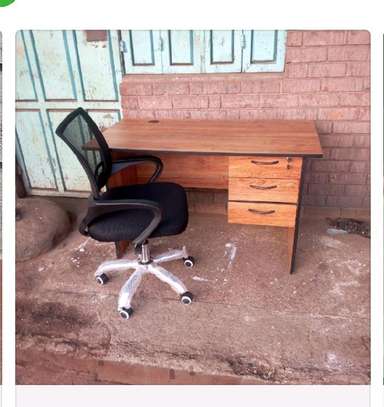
{"points": [[141, 51], [54, 67], [223, 50], [34, 150], [264, 51], [183, 51], [97, 84], [56, 74], [263, 46], [25, 89]]}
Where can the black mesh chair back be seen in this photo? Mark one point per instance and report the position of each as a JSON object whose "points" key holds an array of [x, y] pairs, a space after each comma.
{"points": [[78, 130]]}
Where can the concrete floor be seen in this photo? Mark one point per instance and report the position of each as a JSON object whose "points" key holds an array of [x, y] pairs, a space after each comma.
{"points": [[251, 321]]}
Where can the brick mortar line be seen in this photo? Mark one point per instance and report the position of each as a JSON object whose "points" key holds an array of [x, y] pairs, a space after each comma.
{"points": [[254, 80]]}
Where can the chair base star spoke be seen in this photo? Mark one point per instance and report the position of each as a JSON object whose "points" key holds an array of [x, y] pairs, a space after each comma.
{"points": [[144, 264]]}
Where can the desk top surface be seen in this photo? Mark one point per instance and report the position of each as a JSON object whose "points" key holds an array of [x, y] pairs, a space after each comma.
{"points": [[226, 137]]}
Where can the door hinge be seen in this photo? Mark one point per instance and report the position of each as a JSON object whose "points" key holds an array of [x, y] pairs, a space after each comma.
{"points": [[243, 41], [161, 44], [123, 46]]}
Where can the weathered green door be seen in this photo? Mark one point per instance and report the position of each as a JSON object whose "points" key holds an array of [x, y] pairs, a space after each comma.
{"points": [[57, 71]]}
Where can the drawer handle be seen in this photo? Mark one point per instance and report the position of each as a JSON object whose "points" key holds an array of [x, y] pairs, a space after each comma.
{"points": [[263, 188], [258, 212], [265, 162]]}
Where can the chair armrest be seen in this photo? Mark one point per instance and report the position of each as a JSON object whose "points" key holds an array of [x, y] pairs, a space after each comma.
{"points": [[97, 208], [120, 165]]}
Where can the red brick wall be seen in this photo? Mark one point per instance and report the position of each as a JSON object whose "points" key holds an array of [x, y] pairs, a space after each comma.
{"points": [[326, 79]]}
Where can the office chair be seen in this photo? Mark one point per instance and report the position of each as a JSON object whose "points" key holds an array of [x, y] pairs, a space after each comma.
{"points": [[133, 213]]}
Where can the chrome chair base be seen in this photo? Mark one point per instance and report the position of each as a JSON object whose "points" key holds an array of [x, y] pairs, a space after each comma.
{"points": [[145, 264]]}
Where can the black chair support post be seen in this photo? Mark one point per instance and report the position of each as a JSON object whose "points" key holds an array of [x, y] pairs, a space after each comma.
{"points": [[132, 213]]}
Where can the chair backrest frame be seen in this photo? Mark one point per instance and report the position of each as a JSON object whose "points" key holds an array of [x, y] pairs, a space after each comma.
{"points": [[97, 181]]}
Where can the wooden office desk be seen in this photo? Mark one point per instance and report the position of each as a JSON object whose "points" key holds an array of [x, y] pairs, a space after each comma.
{"points": [[259, 162]]}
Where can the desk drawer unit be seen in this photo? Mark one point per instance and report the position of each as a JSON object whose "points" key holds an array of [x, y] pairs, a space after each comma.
{"points": [[264, 190], [265, 167], [255, 213]]}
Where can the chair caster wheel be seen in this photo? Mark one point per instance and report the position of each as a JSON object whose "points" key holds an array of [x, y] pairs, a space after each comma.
{"points": [[189, 261], [102, 279], [186, 298], [125, 313]]}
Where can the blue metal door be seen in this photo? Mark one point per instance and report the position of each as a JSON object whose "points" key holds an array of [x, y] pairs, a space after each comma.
{"points": [[57, 71]]}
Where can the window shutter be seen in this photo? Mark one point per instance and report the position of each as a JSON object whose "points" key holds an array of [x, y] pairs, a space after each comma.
{"points": [[210, 51], [223, 51], [142, 51], [182, 51], [264, 51]]}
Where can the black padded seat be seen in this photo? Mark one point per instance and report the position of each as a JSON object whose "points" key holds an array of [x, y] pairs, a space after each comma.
{"points": [[128, 224]]}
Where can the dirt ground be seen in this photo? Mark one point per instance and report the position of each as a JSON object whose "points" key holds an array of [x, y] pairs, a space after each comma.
{"points": [[251, 321]]}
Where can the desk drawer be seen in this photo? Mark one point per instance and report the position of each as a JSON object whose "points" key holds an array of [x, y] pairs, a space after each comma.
{"points": [[265, 167], [262, 214], [267, 190]]}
